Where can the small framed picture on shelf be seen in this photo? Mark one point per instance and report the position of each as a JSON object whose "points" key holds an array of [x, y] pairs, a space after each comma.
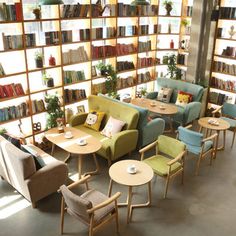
{"points": [[94, 72], [81, 109], [2, 72]]}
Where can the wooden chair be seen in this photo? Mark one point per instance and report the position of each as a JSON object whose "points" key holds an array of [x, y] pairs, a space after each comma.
{"points": [[196, 144], [228, 113], [92, 207], [170, 162]]}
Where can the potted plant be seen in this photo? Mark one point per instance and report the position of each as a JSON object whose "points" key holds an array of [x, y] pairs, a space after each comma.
{"points": [[143, 92], [38, 60], [173, 71], [186, 24], [37, 12], [48, 80], [53, 109], [109, 73], [168, 6]]}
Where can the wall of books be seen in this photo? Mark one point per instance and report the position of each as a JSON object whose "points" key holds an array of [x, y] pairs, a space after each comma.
{"points": [[223, 76], [52, 49]]}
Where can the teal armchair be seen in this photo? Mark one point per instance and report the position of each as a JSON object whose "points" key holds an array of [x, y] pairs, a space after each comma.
{"points": [[228, 113], [196, 144]]}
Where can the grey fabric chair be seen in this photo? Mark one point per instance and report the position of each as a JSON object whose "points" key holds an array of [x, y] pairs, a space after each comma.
{"points": [[93, 208]]}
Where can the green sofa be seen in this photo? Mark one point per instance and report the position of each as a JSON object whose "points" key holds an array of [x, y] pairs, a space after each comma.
{"points": [[149, 130], [123, 142], [186, 114]]}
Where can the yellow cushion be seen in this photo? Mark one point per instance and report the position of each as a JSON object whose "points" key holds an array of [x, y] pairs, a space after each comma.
{"points": [[94, 120], [159, 165], [183, 99]]}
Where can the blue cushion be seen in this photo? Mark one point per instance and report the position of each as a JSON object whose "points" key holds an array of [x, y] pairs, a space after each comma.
{"points": [[232, 122], [229, 109], [196, 149]]}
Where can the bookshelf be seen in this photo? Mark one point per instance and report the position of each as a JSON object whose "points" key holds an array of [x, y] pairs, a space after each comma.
{"points": [[223, 69], [71, 40]]}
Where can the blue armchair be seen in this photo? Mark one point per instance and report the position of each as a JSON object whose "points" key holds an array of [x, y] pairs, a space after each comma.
{"points": [[186, 114], [196, 144], [228, 113]]}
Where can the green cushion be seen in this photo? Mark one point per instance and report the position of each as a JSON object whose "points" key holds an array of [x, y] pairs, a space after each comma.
{"points": [[159, 165], [232, 122]]}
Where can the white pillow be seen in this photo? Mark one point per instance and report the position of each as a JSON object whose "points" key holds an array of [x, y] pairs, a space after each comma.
{"points": [[164, 94], [113, 126]]}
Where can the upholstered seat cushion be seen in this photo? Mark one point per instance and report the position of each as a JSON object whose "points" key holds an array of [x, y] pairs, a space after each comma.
{"points": [[159, 164], [232, 122], [96, 197], [196, 149]]}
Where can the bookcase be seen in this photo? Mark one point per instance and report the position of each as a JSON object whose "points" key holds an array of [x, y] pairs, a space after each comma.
{"points": [[57, 52], [223, 71]]}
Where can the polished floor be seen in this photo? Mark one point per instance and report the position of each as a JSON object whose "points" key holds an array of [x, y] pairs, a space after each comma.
{"points": [[205, 205]]}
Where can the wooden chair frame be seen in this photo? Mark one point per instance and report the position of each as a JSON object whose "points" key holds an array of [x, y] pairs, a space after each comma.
{"points": [[203, 154], [171, 174], [92, 227], [231, 129]]}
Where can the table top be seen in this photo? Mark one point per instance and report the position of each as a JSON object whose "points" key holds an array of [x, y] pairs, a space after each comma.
{"points": [[118, 173], [70, 144], [223, 125], [155, 106]]}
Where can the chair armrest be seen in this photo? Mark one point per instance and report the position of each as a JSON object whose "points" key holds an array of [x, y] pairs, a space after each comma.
{"points": [[78, 119], [188, 126], [152, 95], [192, 111], [210, 138], [179, 157], [216, 110], [148, 147], [105, 203]]}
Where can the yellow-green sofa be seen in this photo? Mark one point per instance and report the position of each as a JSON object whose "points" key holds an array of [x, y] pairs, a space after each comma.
{"points": [[121, 143]]}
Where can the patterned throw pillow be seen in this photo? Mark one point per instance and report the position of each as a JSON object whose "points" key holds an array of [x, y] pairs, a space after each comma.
{"points": [[94, 120], [183, 98], [112, 127], [164, 95]]}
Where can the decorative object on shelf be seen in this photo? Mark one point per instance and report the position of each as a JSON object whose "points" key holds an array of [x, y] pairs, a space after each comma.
{"points": [[93, 71], [139, 2], [172, 44], [109, 73], [2, 72], [169, 28], [69, 114], [52, 61], [51, 2], [143, 92], [38, 60], [54, 110], [37, 13], [60, 125], [81, 109], [37, 126], [173, 71], [168, 6], [48, 80], [232, 31]]}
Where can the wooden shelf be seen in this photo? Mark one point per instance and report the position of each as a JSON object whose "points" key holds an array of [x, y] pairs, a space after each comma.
{"points": [[223, 73], [13, 97], [70, 103], [13, 74], [169, 16], [44, 68], [125, 71], [78, 82], [226, 57], [229, 39], [12, 120], [225, 90], [41, 20], [46, 89]]}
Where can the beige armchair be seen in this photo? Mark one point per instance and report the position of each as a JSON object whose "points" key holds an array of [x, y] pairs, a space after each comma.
{"points": [[92, 207]]}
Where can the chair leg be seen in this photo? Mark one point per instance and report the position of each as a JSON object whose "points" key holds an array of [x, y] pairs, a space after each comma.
{"points": [[91, 225], [198, 164], [167, 185], [62, 215], [182, 177], [212, 156], [233, 139], [33, 204], [117, 218]]}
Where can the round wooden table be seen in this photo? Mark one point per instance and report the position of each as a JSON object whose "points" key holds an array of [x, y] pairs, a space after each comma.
{"points": [[70, 145], [119, 174], [221, 126]]}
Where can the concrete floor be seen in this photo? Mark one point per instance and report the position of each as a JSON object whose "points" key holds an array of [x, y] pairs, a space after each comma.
{"points": [[204, 205]]}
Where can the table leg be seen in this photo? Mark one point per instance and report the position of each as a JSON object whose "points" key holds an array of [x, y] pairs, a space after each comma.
{"points": [[96, 171], [110, 188], [129, 208], [80, 166], [171, 129], [68, 157], [200, 129], [53, 149], [217, 140]]}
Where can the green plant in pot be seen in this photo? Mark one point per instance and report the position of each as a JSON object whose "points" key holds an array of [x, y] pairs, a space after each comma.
{"points": [[173, 71], [168, 6], [53, 109], [109, 73], [48, 80], [38, 56]]}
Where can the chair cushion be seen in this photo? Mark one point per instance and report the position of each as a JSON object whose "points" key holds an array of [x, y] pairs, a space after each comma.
{"points": [[183, 98], [164, 94], [196, 149], [96, 197], [159, 164], [94, 120], [232, 122]]}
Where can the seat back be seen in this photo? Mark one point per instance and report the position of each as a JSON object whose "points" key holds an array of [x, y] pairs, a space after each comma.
{"points": [[170, 146], [190, 137], [229, 109], [76, 205]]}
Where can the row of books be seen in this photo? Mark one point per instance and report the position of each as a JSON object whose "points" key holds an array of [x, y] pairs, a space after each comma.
{"points": [[11, 90], [38, 106], [103, 51], [11, 12], [124, 65], [107, 10], [229, 51], [125, 82], [52, 37], [229, 85], [145, 46], [144, 77], [72, 76], [30, 40], [220, 98], [12, 41], [128, 30], [67, 36], [14, 112], [223, 67], [182, 59], [74, 95], [227, 13], [76, 10], [124, 49], [142, 10], [188, 11], [99, 33], [75, 55], [146, 61], [148, 29]]}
